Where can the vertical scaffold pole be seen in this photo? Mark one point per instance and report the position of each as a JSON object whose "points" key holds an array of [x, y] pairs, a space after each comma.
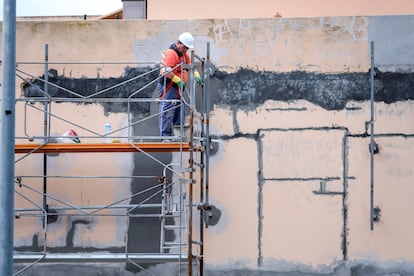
{"points": [[7, 134], [45, 133], [371, 145], [191, 164], [202, 207]]}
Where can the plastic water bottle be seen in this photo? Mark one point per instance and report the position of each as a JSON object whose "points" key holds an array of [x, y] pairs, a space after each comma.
{"points": [[107, 130]]}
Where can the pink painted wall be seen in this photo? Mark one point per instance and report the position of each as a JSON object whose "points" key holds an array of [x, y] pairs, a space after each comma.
{"points": [[269, 8], [278, 218]]}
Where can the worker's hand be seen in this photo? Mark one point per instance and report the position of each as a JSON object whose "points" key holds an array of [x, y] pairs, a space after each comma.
{"points": [[179, 82], [198, 78]]}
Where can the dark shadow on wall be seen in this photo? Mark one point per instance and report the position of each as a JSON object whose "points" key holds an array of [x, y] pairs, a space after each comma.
{"points": [[144, 232]]}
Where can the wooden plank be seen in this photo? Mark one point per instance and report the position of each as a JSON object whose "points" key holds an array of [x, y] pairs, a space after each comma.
{"points": [[110, 147]]}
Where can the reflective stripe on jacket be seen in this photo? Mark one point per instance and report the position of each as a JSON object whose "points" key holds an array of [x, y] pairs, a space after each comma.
{"points": [[171, 58]]}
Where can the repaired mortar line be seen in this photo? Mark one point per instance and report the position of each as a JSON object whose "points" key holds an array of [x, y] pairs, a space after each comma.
{"points": [[261, 179], [326, 128], [237, 135], [260, 182], [328, 178], [236, 128], [327, 193], [345, 152], [353, 108], [311, 179], [234, 136], [383, 135], [287, 109]]}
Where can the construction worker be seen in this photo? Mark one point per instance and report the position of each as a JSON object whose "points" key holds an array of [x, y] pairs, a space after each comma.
{"points": [[174, 81]]}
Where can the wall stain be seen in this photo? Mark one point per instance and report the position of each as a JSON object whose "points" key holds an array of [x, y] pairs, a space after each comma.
{"points": [[330, 91], [79, 25], [244, 88], [66, 87], [37, 246], [71, 232]]}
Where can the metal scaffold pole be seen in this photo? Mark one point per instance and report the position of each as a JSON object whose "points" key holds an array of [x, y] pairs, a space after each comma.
{"points": [[7, 118], [190, 188], [45, 133], [179, 242]]}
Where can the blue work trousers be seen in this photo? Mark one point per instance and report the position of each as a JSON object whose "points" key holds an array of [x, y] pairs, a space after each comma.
{"points": [[170, 112]]}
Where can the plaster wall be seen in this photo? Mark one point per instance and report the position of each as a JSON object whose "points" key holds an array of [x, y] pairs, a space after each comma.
{"points": [[290, 106], [273, 8]]}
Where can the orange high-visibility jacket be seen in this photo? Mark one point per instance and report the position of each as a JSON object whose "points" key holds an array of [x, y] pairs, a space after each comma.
{"points": [[171, 59]]}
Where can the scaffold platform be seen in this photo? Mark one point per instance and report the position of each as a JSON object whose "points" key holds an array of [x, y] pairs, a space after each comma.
{"points": [[110, 147]]}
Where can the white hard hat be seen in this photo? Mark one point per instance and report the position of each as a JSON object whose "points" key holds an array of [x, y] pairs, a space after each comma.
{"points": [[187, 39]]}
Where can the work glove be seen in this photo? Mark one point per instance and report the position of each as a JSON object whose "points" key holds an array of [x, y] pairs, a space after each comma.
{"points": [[179, 82], [198, 78]]}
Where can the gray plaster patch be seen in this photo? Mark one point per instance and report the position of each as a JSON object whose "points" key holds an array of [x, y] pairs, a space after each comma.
{"points": [[247, 88], [393, 38], [134, 87]]}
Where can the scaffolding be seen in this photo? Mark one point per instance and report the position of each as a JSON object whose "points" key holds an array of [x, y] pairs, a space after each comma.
{"points": [[170, 199]]}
